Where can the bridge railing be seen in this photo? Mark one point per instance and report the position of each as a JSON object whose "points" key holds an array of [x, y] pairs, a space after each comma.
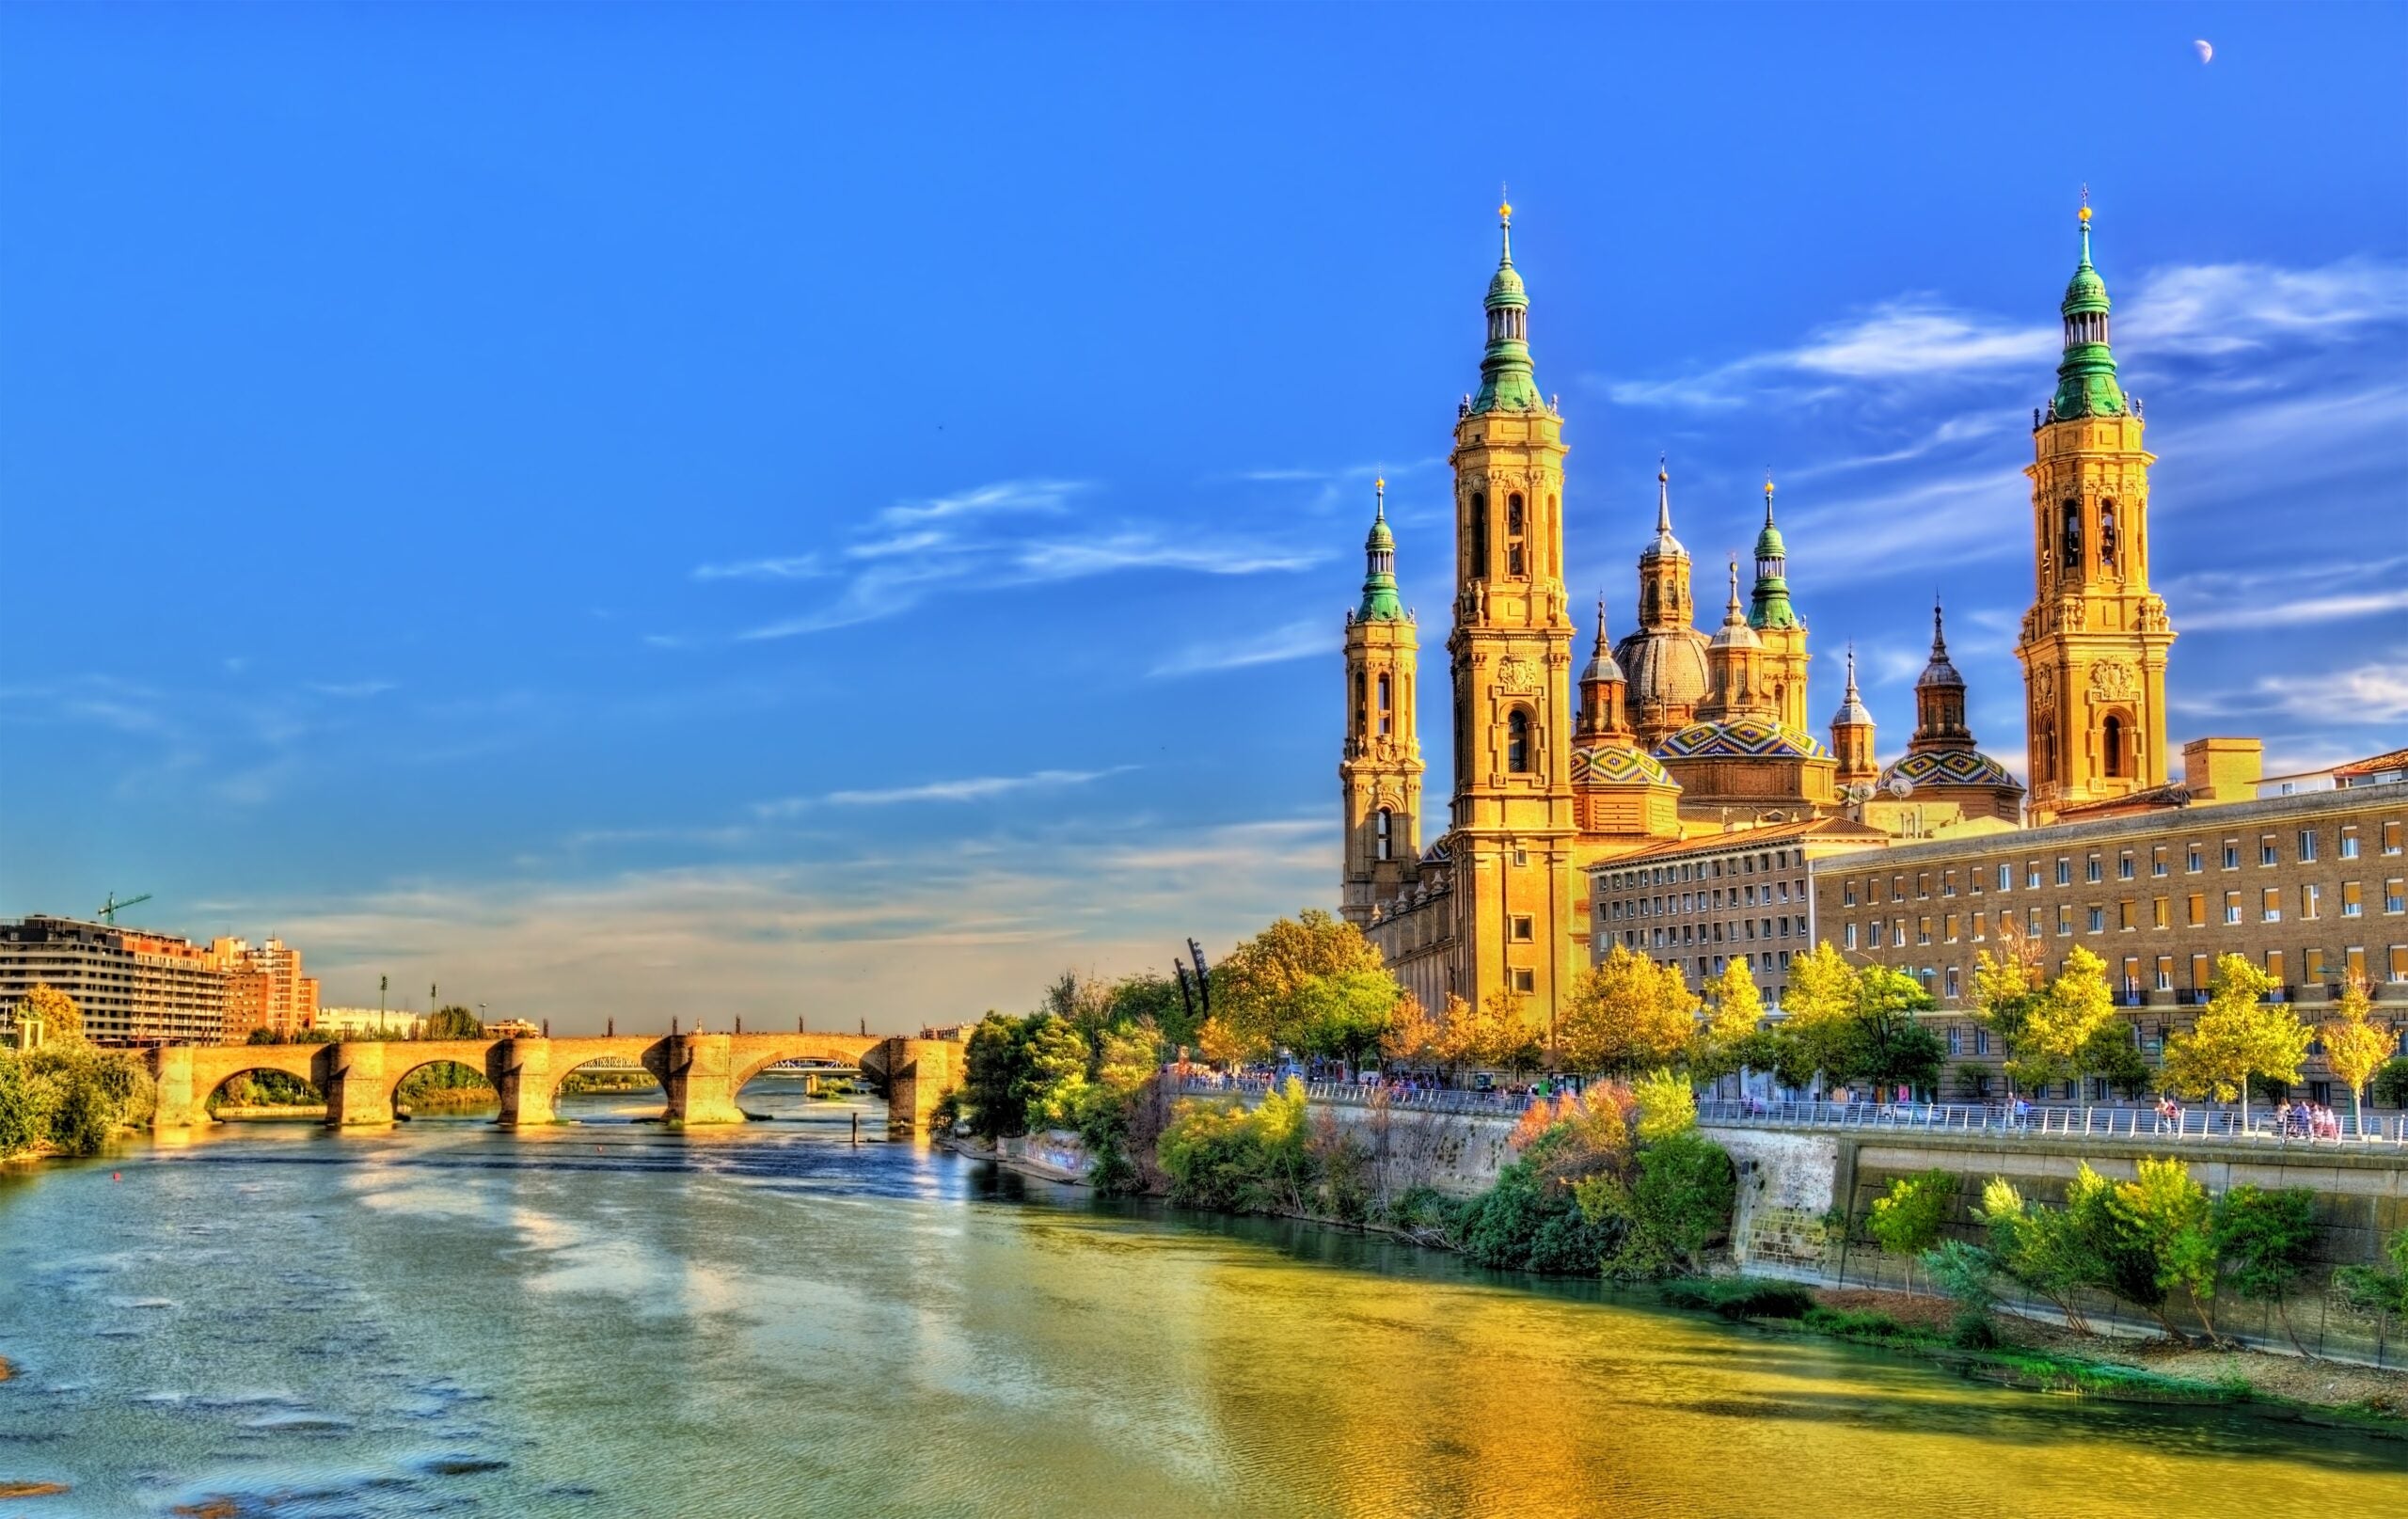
{"points": [[2003, 1120]]}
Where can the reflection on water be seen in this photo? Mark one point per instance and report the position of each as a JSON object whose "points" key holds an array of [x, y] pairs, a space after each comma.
{"points": [[612, 1317]]}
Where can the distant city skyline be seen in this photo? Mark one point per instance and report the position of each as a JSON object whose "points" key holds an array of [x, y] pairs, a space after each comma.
{"points": [[633, 514]]}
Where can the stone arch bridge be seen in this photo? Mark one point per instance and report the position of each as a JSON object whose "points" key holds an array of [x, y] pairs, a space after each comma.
{"points": [[701, 1074]]}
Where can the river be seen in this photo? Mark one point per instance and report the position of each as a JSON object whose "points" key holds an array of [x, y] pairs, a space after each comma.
{"points": [[613, 1319]]}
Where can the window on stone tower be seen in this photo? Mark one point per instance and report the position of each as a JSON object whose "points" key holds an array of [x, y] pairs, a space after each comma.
{"points": [[1358, 703], [1517, 742], [2107, 532], [2071, 553], [1387, 723], [1513, 530], [2113, 745], [1383, 834], [1479, 536]]}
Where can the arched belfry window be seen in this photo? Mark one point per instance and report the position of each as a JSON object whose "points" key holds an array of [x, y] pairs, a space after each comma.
{"points": [[2114, 746], [2072, 533], [1359, 723], [1517, 742], [1479, 535], [2107, 533], [1383, 834], [1513, 534], [1387, 714]]}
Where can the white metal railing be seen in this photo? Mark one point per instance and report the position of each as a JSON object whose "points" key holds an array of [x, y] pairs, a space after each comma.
{"points": [[1362, 1094], [1993, 1119], [2007, 1120]]}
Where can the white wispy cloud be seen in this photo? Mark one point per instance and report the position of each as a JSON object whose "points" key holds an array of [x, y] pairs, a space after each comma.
{"points": [[2292, 595], [970, 789], [2194, 310], [790, 567], [2225, 308], [905, 552], [1294, 641]]}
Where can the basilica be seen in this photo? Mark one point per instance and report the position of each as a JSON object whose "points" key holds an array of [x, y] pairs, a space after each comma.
{"points": [[1672, 730]]}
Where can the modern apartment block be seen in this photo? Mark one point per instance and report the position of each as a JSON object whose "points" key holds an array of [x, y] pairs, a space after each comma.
{"points": [[265, 988], [133, 987]]}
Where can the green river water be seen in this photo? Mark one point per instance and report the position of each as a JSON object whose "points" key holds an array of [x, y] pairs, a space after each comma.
{"points": [[613, 1319]]}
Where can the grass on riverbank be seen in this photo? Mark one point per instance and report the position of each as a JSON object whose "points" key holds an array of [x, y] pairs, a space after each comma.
{"points": [[2048, 1358]]}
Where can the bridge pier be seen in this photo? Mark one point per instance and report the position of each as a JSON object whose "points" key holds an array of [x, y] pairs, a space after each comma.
{"points": [[521, 1072], [180, 1106], [919, 1072], [700, 1079], [358, 1094]]}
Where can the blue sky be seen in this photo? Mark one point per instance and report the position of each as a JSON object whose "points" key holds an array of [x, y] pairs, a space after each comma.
{"points": [[777, 511]]}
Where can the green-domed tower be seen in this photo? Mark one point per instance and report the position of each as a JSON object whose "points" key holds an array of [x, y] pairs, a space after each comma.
{"points": [[1779, 629]]}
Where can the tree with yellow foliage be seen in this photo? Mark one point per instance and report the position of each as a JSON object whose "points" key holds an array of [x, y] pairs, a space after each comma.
{"points": [[1412, 1034], [1733, 1010], [61, 1020], [1819, 1010], [1263, 987], [2240, 1036], [2061, 1020], [2355, 1047], [1628, 1013]]}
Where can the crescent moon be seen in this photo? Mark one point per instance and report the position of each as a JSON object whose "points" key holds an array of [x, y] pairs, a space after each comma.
{"points": [[2207, 50]]}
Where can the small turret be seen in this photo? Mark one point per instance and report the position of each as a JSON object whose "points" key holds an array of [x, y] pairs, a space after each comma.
{"points": [[1940, 698], [1601, 690], [1853, 734], [1734, 660]]}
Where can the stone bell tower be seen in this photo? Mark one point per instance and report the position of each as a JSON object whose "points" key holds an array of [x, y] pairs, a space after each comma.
{"points": [[1379, 776], [2095, 642], [1512, 826]]}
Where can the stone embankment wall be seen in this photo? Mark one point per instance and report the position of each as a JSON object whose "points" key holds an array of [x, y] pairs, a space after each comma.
{"points": [[1458, 1154], [1804, 1197]]}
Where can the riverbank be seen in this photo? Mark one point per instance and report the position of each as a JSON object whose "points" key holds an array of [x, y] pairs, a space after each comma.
{"points": [[2034, 1355], [2030, 1354]]}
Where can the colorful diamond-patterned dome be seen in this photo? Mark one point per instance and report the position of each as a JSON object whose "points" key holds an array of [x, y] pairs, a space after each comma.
{"points": [[1618, 765], [1741, 739], [1951, 767]]}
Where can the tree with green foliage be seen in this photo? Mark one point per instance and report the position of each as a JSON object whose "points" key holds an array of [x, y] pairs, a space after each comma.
{"points": [[2391, 1083], [1888, 1044], [2238, 1036], [453, 1021], [2263, 1237], [1148, 998], [1906, 1221], [993, 1078], [1052, 1072], [2113, 1055], [1626, 1013], [23, 1124], [2042, 1247], [1343, 1017], [1259, 988], [1966, 1273], [2164, 1216], [2375, 1289], [1678, 1205], [2355, 1046], [1226, 1156]]}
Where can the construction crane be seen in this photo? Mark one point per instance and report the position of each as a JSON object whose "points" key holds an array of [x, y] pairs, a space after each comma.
{"points": [[110, 908]]}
